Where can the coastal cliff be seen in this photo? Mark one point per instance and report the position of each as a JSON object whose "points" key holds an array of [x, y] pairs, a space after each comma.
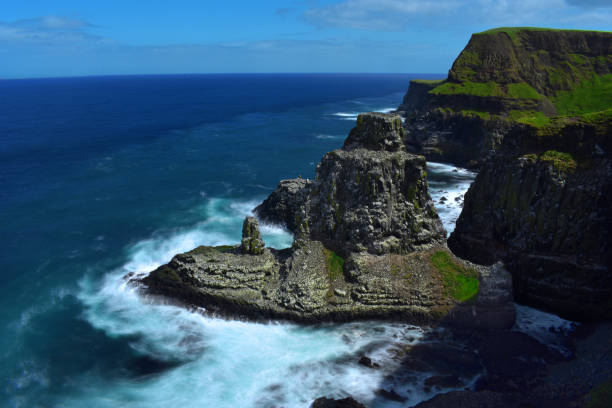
{"points": [[543, 205], [368, 244], [506, 76], [533, 109]]}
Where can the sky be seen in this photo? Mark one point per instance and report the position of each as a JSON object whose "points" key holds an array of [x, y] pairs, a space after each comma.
{"points": [[49, 38]]}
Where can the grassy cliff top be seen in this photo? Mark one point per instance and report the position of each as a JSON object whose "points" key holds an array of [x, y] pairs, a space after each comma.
{"points": [[530, 74], [513, 30]]}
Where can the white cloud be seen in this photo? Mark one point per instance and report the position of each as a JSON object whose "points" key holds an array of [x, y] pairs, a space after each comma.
{"points": [[398, 15], [590, 3], [47, 30], [383, 15]]}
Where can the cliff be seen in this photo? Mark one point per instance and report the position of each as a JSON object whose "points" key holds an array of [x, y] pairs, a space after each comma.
{"points": [[506, 76], [543, 205], [368, 244]]}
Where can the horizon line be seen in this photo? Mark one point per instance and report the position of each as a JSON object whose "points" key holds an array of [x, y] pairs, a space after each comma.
{"points": [[218, 73]]}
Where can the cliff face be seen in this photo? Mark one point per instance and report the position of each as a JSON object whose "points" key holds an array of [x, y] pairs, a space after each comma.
{"points": [[543, 205], [368, 244], [533, 109], [505, 76]]}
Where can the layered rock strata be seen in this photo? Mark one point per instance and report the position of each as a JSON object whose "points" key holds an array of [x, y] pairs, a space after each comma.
{"points": [[543, 205], [369, 244], [503, 76]]}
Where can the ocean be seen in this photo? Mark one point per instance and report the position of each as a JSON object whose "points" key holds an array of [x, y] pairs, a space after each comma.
{"points": [[104, 176]]}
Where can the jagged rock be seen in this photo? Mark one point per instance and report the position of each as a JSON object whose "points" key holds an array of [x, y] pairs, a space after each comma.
{"points": [[282, 206], [324, 402], [252, 243], [301, 284], [367, 362], [548, 215], [367, 235], [376, 131], [468, 399], [371, 195]]}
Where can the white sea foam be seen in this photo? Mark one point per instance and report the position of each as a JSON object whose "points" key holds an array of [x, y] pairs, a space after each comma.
{"points": [[231, 363], [547, 328], [346, 115], [329, 137], [353, 115], [451, 183]]}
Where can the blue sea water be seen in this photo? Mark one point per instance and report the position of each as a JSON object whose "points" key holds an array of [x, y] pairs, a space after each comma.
{"points": [[105, 176]]}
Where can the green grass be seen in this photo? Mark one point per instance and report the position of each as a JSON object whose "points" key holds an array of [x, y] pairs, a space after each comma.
{"points": [[560, 160], [468, 88], [481, 115], [335, 265], [428, 81], [514, 30], [578, 59], [522, 90], [462, 284], [598, 117], [591, 95], [534, 118]]}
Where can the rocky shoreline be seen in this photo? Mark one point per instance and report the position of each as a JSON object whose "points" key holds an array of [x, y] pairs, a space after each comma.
{"points": [[368, 243]]}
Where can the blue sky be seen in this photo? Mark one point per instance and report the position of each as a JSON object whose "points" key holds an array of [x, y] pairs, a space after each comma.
{"points": [[40, 38]]}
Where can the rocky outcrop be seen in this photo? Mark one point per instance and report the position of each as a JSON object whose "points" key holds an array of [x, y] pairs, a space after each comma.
{"points": [[282, 206], [503, 76], [312, 284], [324, 402], [369, 244], [251, 244], [336, 403], [543, 205], [371, 195]]}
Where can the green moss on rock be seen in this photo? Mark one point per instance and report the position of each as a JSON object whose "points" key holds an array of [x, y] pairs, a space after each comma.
{"points": [[460, 283], [561, 161], [335, 265]]}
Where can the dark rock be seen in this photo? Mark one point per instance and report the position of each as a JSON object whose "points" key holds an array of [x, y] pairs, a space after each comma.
{"points": [[371, 196], [450, 125], [339, 403], [390, 395], [366, 232], [282, 206], [551, 226], [367, 361], [252, 244], [469, 399], [376, 131], [443, 381]]}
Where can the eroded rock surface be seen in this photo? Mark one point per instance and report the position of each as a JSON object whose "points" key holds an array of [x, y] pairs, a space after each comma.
{"points": [[369, 244], [251, 237], [543, 205]]}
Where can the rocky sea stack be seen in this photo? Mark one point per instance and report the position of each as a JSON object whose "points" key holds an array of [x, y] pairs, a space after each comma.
{"points": [[368, 244]]}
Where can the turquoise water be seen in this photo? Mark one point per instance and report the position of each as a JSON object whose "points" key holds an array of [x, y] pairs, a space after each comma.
{"points": [[107, 176]]}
